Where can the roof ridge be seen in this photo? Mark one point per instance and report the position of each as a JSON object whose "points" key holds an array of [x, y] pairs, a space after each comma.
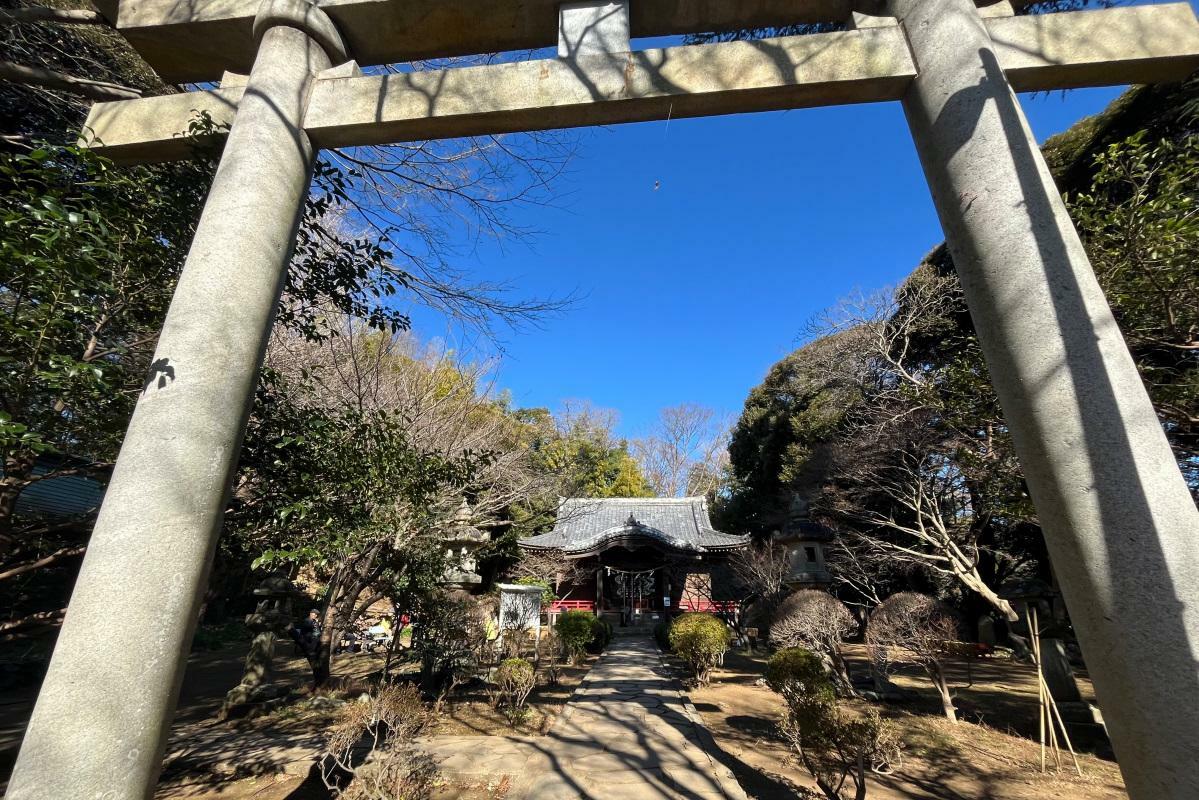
{"points": [[678, 500]]}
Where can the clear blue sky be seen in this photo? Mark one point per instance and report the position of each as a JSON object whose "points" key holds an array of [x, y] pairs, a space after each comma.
{"points": [[689, 293]]}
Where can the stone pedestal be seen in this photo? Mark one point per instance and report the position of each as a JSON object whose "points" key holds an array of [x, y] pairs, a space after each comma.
{"points": [[1059, 675]]}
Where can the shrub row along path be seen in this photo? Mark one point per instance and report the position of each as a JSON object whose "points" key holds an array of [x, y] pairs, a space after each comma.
{"points": [[627, 732]]}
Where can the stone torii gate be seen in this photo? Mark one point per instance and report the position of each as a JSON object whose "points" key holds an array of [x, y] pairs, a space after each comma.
{"points": [[1120, 524]]}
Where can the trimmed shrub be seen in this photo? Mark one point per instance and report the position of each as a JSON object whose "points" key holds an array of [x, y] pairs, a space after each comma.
{"points": [[601, 634], [514, 680], [837, 749], [796, 671], [576, 631], [387, 721], [917, 629], [550, 652], [816, 621], [701, 641]]}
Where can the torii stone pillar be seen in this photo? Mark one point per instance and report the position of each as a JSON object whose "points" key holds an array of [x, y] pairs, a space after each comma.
{"points": [[1119, 521], [99, 727]]}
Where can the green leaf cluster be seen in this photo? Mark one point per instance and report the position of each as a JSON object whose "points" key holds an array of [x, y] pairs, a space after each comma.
{"points": [[700, 640]]}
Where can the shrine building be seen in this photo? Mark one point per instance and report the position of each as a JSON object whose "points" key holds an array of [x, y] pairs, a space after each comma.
{"points": [[643, 558]]}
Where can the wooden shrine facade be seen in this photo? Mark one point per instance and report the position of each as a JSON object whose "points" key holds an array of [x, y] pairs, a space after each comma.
{"points": [[641, 558]]}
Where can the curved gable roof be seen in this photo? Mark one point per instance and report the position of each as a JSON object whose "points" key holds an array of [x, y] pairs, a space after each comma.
{"points": [[586, 526]]}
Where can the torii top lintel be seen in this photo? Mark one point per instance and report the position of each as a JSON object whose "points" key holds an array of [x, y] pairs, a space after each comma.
{"points": [[188, 41], [871, 62]]}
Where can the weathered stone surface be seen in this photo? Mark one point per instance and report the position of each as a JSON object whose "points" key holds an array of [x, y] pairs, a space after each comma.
{"points": [[593, 27], [1109, 46], [1118, 518], [100, 724], [188, 42]]}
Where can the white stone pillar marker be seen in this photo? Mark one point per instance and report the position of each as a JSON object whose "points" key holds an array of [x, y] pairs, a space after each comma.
{"points": [[101, 720], [1121, 528]]}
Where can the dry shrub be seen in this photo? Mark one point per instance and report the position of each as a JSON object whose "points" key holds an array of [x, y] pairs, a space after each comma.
{"points": [[452, 638], [836, 748], [915, 629], [368, 750], [513, 681], [819, 622], [551, 653]]}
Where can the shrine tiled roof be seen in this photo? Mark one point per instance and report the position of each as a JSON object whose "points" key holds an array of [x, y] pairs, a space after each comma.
{"points": [[677, 523]]}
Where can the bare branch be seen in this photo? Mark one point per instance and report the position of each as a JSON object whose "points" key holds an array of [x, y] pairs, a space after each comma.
{"points": [[49, 79], [61, 16]]}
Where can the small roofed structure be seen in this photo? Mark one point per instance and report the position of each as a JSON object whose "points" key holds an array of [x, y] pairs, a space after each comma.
{"points": [[643, 557]]}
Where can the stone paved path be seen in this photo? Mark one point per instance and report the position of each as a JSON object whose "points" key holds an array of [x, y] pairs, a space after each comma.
{"points": [[627, 732]]}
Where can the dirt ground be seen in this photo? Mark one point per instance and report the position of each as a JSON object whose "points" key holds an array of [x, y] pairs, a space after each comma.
{"points": [[252, 752], [992, 754], [470, 712]]}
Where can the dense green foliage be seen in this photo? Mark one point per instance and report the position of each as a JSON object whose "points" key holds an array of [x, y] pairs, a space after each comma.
{"points": [[601, 634], [514, 680], [662, 636], [796, 671], [700, 640], [886, 423], [89, 258], [1140, 223], [576, 630]]}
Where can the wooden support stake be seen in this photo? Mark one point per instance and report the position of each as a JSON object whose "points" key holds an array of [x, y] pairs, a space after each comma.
{"points": [[1049, 709]]}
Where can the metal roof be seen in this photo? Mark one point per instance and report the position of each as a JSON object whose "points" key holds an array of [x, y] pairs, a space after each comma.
{"points": [[587, 526]]}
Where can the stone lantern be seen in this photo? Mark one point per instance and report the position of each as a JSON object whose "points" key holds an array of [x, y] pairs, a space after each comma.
{"points": [[269, 622], [460, 542], [805, 541]]}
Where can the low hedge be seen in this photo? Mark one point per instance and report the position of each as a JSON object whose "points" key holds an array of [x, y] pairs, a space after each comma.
{"points": [[576, 631], [701, 641], [601, 634]]}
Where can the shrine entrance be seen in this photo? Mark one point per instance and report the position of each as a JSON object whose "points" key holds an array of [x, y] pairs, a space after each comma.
{"points": [[643, 558]]}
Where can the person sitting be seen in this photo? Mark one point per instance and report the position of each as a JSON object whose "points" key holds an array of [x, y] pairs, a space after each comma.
{"points": [[307, 633]]}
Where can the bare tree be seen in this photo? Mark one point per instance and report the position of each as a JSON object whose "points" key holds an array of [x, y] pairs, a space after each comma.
{"points": [[552, 567], [911, 479], [686, 451], [450, 405], [914, 628], [919, 511], [422, 204], [816, 621], [760, 571], [857, 568]]}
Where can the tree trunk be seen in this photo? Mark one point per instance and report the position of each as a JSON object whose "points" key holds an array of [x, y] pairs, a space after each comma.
{"points": [[322, 660], [840, 672], [938, 675], [397, 629], [973, 581], [830, 792]]}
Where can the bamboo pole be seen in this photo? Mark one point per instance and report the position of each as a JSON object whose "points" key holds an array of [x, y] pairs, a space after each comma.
{"points": [[1042, 711], [1049, 710]]}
